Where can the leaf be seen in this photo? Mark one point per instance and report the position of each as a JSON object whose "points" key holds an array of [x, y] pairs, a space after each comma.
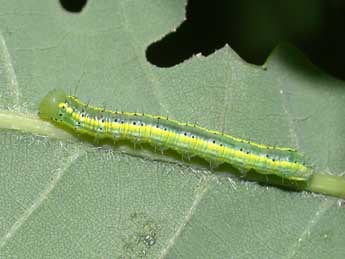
{"points": [[61, 197]]}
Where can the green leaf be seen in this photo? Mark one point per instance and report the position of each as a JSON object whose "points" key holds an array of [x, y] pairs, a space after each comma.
{"points": [[61, 197]]}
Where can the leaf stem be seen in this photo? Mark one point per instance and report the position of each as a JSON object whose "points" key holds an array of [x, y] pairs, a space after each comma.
{"points": [[31, 123], [327, 184]]}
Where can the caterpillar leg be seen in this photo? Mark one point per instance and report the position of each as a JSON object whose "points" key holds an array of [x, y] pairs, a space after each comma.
{"points": [[214, 164], [244, 172], [96, 139]]}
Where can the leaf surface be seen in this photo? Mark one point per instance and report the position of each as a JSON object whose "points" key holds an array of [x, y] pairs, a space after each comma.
{"points": [[63, 198]]}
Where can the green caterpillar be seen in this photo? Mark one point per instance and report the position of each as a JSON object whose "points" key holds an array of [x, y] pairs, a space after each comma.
{"points": [[192, 140]]}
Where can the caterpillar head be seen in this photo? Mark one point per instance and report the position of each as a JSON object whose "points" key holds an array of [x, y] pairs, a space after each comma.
{"points": [[49, 106]]}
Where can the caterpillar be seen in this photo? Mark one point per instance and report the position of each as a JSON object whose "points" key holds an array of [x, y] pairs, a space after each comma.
{"points": [[184, 138]]}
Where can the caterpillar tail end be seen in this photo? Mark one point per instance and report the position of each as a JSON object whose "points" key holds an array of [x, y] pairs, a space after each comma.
{"points": [[49, 105]]}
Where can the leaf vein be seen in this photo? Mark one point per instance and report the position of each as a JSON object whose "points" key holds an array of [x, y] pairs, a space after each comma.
{"points": [[38, 202]]}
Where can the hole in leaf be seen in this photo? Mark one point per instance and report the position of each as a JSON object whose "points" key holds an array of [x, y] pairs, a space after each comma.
{"points": [[202, 32], [73, 6], [254, 28]]}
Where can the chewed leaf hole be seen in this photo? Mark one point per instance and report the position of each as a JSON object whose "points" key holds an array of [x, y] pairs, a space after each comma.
{"points": [[73, 6], [253, 29], [202, 32]]}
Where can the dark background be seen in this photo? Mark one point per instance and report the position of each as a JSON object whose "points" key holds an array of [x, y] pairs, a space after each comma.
{"points": [[253, 28]]}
